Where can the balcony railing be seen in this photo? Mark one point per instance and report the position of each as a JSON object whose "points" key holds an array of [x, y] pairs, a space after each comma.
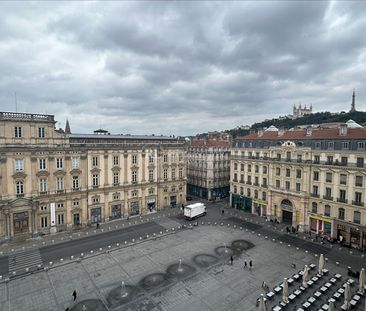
{"points": [[341, 200], [358, 203], [249, 182], [326, 197], [264, 185], [315, 195]]}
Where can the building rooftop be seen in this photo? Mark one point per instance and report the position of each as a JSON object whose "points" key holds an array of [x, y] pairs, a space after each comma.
{"points": [[20, 116], [210, 143]]}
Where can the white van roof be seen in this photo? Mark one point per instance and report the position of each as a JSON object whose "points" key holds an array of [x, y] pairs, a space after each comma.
{"points": [[194, 205]]}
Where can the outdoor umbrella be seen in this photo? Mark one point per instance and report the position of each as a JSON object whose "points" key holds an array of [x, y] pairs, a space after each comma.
{"points": [[331, 306], [321, 264], [362, 281], [305, 276], [262, 304], [347, 295], [285, 290]]}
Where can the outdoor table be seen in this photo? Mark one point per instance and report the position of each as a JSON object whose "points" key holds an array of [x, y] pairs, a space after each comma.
{"points": [[325, 271], [312, 299], [290, 280], [337, 276], [337, 295], [283, 304], [328, 284], [353, 302], [292, 297], [277, 289], [302, 288], [270, 294], [333, 280], [314, 278], [301, 272], [325, 307], [344, 308], [300, 309], [310, 282], [306, 304], [296, 276], [341, 290], [277, 308], [356, 297], [312, 266], [324, 289], [319, 275], [297, 292], [317, 294], [350, 281]]}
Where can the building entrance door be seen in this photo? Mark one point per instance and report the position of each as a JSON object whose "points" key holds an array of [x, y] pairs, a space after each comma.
{"points": [[20, 222], [287, 209], [287, 217], [116, 211], [96, 215]]}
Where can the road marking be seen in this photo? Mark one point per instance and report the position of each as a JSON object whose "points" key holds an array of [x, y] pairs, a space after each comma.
{"points": [[26, 259]]}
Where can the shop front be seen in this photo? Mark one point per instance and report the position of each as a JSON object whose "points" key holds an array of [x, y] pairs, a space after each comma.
{"points": [[260, 207], [134, 208], [241, 202], [116, 211], [173, 201], [320, 225], [151, 205], [351, 235]]}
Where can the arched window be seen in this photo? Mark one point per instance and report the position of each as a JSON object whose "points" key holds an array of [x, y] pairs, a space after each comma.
{"points": [[314, 207]]}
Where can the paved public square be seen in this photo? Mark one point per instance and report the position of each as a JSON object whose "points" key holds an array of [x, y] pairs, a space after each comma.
{"points": [[146, 270]]}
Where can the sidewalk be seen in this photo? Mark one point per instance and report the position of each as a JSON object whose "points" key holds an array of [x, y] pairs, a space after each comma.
{"points": [[59, 237]]}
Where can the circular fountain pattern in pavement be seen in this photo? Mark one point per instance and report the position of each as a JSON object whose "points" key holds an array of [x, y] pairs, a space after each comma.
{"points": [[154, 280], [241, 245], [180, 270], [205, 260], [89, 305], [121, 295], [224, 251]]}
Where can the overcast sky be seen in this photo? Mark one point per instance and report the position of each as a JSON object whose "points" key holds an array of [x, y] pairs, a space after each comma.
{"points": [[180, 67]]}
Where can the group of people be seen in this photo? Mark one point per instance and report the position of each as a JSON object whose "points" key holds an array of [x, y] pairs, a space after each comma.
{"points": [[246, 264]]}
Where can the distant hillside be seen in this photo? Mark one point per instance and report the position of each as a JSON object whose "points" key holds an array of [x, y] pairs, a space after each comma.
{"points": [[315, 118]]}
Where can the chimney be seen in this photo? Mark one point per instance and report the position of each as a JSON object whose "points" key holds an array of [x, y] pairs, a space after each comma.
{"points": [[281, 131], [343, 129], [260, 132], [309, 131]]}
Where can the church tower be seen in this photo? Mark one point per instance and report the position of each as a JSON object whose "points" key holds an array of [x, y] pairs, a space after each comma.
{"points": [[353, 107], [67, 127]]}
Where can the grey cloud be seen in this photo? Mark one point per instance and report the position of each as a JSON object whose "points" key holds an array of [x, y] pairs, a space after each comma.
{"points": [[180, 67]]}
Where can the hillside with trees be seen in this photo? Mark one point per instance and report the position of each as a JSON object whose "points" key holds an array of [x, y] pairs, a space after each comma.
{"points": [[287, 123]]}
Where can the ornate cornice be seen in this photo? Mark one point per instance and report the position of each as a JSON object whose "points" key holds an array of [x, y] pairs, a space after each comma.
{"points": [[43, 174], [19, 175], [75, 171]]}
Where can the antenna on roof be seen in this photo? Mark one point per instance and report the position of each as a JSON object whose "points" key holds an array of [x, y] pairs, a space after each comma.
{"points": [[15, 101]]}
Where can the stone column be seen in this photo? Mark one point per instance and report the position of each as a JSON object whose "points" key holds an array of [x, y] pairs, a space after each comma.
{"points": [[125, 160], [7, 224], [143, 167]]}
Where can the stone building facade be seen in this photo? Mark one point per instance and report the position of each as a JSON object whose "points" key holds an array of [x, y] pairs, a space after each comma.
{"points": [[52, 181], [208, 170], [311, 179]]}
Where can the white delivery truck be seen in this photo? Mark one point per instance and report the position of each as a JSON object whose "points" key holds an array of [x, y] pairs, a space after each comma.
{"points": [[195, 210]]}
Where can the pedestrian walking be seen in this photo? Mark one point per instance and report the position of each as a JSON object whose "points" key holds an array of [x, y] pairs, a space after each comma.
{"points": [[98, 225], [250, 264], [74, 294], [231, 260], [245, 264], [67, 309], [222, 212]]}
